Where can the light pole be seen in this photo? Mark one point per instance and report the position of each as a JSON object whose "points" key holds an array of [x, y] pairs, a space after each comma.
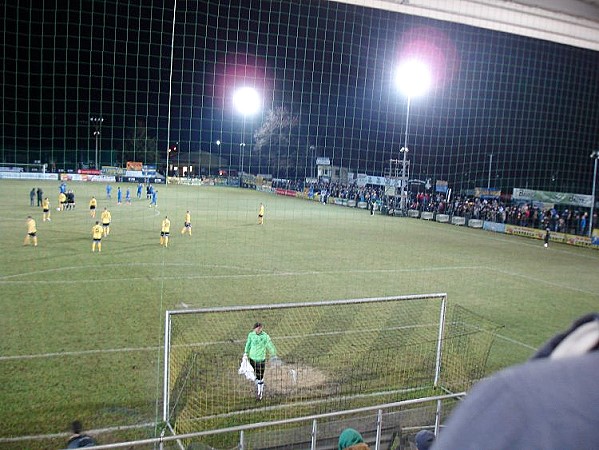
{"points": [[178, 161], [97, 123], [489, 178], [247, 102], [218, 142], [313, 161], [241, 152], [173, 149], [219, 153], [595, 157], [413, 77], [404, 182]]}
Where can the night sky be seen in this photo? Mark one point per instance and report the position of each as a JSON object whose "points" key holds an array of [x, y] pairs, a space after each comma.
{"points": [[533, 104]]}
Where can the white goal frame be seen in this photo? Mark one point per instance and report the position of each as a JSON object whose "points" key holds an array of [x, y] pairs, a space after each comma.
{"points": [[170, 314]]}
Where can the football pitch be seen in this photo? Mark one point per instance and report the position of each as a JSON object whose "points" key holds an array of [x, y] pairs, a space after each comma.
{"points": [[82, 332]]}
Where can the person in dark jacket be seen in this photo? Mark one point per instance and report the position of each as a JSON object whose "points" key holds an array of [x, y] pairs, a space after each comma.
{"points": [[549, 402], [78, 439]]}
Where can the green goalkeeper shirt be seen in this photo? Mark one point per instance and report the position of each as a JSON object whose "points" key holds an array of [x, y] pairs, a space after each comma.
{"points": [[257, 345]]}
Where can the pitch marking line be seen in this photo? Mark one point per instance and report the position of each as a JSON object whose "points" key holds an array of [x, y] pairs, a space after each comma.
{"points": [[94, 267], [514, 341], [265, 273], [262, 273], [543, 281], [79, 353], [207, 344]]}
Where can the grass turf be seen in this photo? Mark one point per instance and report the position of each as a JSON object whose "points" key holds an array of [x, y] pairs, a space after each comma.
{"points": [[82, 332]]}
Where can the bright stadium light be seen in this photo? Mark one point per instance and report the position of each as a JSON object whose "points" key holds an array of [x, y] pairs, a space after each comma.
{"points": [[247, 102], [414, 79]]}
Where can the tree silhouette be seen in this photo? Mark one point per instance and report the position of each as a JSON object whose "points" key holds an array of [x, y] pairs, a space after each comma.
{"points": [[275, 142], [139, 146]]}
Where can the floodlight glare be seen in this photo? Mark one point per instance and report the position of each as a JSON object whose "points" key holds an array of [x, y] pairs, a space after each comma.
{"points": [[413, 78], [247, 101]]}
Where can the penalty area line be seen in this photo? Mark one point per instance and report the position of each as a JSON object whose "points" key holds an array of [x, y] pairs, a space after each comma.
{"points": [[514, 341], [149, 349]]}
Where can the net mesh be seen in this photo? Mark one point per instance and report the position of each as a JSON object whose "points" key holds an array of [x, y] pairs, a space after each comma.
{"points": [[335, 356], [505, 111], [324, 73]]}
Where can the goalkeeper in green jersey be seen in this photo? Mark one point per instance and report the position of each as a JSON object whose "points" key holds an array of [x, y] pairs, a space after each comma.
{"points": [[257, 345]]}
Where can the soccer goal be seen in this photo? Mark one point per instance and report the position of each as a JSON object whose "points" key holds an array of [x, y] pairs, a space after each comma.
{"points": [[335, 356]]}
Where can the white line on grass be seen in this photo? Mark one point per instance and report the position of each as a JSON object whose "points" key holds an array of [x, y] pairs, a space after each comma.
{"points": [[240, 342], [191, 344], [263, 273], [311, 273], [543, 281], [514, 341], [517, 240], [266, 273], [94, 267], [79, 353]]}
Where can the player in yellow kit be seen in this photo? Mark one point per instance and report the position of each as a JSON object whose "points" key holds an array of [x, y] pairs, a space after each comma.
{"points": [[46, 210], [165, 231], [93, 203], [31, 232], [187, 224], [62, 201], [261, 214], [97, 233], [106, 218]]}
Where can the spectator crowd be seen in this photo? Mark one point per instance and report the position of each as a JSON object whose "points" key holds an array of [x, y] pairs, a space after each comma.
{"points": [[564, 218]]}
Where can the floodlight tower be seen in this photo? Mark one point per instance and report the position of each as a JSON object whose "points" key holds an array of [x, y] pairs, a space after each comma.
{"points": [[97, 124], [247, 102], [413, 78]]}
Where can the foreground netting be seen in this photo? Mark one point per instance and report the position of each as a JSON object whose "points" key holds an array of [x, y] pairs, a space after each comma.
{"points": [[336, 355]]}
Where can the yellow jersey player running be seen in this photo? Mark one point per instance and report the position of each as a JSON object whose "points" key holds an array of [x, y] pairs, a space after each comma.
{"points": [[46, 210], [31, 235], [97, 237], [165, 231], [106, 218], [187, 224], [93, 203]]}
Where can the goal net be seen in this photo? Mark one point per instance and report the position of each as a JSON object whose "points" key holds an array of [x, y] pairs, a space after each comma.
{"points": [[335, 355]]}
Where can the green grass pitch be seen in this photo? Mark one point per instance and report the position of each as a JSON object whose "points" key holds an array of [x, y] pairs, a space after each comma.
{"points": [[82, 332]]}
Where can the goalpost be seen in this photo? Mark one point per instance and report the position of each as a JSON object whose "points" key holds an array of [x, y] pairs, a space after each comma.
{"points": [[336, 355]]}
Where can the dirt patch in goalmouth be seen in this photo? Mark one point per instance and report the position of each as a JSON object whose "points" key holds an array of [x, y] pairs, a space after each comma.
{"points": [[288, 378]]}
